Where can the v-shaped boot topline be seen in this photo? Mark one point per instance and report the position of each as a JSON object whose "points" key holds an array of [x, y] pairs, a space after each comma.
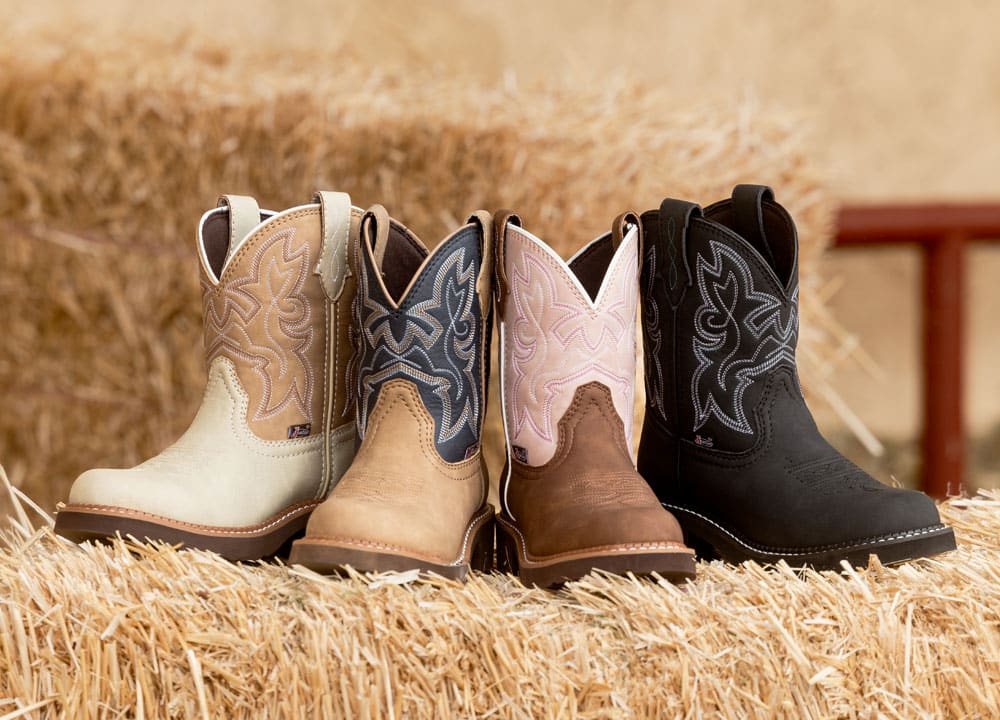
{"points": [[728, 442], [572, 499], [415, 495], [275, 429]]}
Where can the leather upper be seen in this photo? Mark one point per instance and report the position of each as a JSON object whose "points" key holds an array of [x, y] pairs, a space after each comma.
{"points": [[423, 322], [588, 496], [267, 313], [727, 432], [275, 426], [433, 333], [735, 322], [569, 334], [557, 337]]}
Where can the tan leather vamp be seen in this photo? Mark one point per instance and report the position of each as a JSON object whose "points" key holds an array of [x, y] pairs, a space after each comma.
{"points": [[589, 494], [399, 496], [268, 315]]}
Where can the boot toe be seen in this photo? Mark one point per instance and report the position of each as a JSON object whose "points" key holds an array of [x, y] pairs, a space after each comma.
{"points": [[902, 510], [106, 487], [603, 528]]}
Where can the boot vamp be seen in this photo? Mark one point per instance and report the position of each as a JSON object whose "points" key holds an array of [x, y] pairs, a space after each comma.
{"points": [[399, 495], [794, 490], [218, 473], [588, 511]]}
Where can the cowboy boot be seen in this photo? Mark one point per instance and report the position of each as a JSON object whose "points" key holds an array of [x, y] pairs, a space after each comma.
{"points": [[275, 429], [728, 443], [572, 500], [415, 495]]}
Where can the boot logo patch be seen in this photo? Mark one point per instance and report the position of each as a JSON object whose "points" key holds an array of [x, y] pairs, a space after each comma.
{"points": [[262, 320], [434, 343], [520, 453], [740, 334], [299, 431]]}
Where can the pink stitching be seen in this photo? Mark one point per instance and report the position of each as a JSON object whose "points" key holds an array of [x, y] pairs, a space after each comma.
{"points": [[591, 342], [231, 309]]}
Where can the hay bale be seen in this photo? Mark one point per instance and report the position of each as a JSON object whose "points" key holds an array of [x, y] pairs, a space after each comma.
{"points": [[111, 147], [154, 632]]}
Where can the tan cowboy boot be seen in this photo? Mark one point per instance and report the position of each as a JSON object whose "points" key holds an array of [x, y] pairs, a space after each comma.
{"points": [[572, 500], [415, 495], [275, 429]]}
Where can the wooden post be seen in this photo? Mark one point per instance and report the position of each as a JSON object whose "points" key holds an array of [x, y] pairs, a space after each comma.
{"points": [[944, 445], [941, 231]]}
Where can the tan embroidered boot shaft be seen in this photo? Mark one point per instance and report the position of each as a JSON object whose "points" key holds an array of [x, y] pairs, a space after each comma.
{"points": [[415, 495], [572, 499], [275, 429]]}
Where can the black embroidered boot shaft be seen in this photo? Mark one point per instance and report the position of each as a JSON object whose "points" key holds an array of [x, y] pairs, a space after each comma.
{"points": [[728, 443]]}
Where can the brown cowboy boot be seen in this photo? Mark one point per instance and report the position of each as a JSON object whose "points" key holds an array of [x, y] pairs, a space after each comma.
{"points": [[572, 499]]}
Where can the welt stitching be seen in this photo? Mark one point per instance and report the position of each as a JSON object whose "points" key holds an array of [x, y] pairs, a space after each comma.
{"points": [[808, 550]]}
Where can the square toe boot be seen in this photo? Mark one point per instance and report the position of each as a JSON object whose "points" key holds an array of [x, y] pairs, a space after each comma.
{"points": [[415, 495], [573, 501], [275, 429], [728, 443]]}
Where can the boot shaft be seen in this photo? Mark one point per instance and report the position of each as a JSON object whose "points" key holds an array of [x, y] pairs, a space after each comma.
{"points": [[426, 318], [276, 293], [565, 325], [720, 314]]}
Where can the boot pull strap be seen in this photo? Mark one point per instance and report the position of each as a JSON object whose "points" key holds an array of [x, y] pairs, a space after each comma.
{"points": [[244, 216], [375, 233], [620, 228], [748, 205], [674, 219], [501, 220], [335, 219], [484, 283]]}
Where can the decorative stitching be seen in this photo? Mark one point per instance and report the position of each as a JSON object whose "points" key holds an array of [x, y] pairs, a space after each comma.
{"points": [[410, 399], [263, 319], [474, 524], [556, 340], [214, 529], [738, 337], [654, 340], [237, 418], [811, 550], [437, 347], [631, 547]]}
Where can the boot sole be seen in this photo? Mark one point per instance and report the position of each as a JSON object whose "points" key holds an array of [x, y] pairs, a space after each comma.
{"points": [[332, 557], [700, 531], [512, 557], [99, 523]]}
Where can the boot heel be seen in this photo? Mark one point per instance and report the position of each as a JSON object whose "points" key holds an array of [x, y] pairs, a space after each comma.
{"points": [[507, 561], [482, 548], [703, 549]]}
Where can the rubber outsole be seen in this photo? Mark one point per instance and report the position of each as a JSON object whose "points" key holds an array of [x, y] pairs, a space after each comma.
{"points": [[677, 566], [331, 557], [82, 523], [712, 540]]}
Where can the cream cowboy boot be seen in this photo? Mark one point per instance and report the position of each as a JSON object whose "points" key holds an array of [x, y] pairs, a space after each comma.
{"points": [[275, 430]]}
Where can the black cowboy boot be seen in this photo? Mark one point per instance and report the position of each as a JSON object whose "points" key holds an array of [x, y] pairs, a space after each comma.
{"points": [[728, 443]]}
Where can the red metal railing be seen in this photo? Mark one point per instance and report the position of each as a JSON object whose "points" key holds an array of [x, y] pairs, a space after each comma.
{"points": [[941, 232]]}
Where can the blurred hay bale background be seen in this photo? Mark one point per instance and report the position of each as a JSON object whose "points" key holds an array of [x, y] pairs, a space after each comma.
{"points": [[96, 632], [111, 148]]}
